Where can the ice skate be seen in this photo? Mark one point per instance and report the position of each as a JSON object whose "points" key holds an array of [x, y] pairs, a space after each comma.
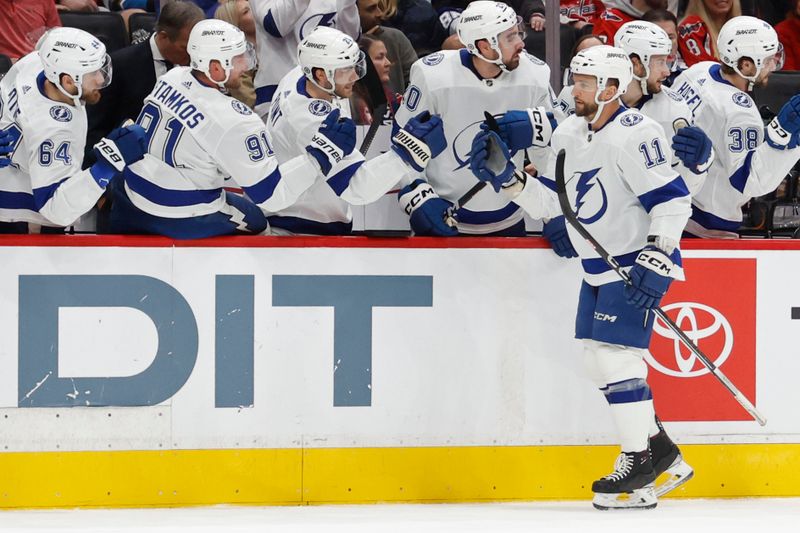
{"points": [[667, 459], [629, 486]]}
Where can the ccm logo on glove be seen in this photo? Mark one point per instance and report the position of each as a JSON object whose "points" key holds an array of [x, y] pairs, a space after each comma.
{"points": [[655, 261]]}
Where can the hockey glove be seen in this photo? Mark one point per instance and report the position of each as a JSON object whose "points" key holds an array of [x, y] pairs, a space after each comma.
{"points": [[693, 147], [420, 140], [335, 139], [650, 278], [429, 214], [490, 160], [120, 148], [555, 232], [8, 140], [523, 129], [784, 130]]}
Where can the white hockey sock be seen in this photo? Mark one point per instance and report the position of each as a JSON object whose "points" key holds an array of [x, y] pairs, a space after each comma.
{"points": [[633, 424], [654, 429]]}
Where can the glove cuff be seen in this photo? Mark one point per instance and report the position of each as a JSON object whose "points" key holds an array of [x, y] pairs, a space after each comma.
{"points": [[107, 150], [541, 125], [412, 196], [412, 150], [777, 136], [328, 150]]}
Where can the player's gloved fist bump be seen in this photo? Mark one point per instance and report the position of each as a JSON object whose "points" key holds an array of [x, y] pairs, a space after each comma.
{"points": [[428, 214], [120, 148], [555, 231], [693, 148], [490, 160], [420, 140], [335, 139], [650, 278], [525, 128], [784, 130]]}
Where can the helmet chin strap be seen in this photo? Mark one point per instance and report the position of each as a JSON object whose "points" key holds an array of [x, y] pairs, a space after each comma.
{"points": [[76, 99], [601, 105], [751, 80], [331, 75]]}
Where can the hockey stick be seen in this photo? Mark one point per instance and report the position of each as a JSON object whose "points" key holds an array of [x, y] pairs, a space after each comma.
{"points": [[572, 218], [373, 129]]}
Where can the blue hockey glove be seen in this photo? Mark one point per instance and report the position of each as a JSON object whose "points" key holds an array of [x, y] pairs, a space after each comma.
{"points": [[8, 141], [555, 232], [120, 148], [526, 128], [335, 139], [784, 130], [693, 147], [420, 140], [490, 160], [429, 214], [650, 278]]}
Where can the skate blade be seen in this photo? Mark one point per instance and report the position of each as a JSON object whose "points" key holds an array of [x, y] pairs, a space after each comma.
{"points": [[644, 498], [676, 475]]}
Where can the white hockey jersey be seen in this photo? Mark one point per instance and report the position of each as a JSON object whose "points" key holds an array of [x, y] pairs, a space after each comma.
{"points": [[621, 185], [45, 183], [672, 113], [745, 165], [324, 208], [281, 25], [197, 137], [446, 83]]}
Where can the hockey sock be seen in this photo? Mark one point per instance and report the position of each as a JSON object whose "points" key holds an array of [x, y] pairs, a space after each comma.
{"points": [[631, 406]]}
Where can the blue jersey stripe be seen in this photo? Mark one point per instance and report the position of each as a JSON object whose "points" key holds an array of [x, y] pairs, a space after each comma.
{"points": [[739, 178], [341, 180], [486, 217], [669, 191], [42, 195], [264, 189], [168, 197]]}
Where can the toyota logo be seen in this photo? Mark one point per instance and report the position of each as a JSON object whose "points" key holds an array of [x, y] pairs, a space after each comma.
{"points": [[687, 320]]}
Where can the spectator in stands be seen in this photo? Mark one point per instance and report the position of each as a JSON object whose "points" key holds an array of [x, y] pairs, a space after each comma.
{"points": [[376, 50], [531, 11], [669, 23], [400, 52], [579, 13], [418, 21], [789, 35], [698, 31], [612, 18], [23, 23], [89, 6], [238, 13], [137, 67]]}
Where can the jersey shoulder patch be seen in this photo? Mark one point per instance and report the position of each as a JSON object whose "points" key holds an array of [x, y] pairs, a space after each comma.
{"points": [[433, 59], [631, 119], [535, 60], [240, 107], [742, 99], [61, 113], [672, 94], [319, 108]]}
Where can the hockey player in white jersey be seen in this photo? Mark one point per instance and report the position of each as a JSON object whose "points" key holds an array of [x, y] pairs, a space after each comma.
{"points": [[42, 115], [330, 63], [625, 192], [745, 165], [281, 25], [492, 74], [198, 136], [649, 46]]}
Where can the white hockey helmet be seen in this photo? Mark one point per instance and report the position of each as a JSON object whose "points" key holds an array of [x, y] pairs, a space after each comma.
{"points": [[483, 19], [336, 53], [216, 40], [77, 54], [604, 63], [646, 40], [752, 38]]}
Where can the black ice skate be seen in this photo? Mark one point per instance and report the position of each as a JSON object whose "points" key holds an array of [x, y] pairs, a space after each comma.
{"points": [[629, 486], [667, 458]]}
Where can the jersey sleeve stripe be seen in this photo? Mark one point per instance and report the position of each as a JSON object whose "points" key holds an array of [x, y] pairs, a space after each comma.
{"points": [[597, 265], [271, 26], [547, 182], [674, 189], [739, 178], [264, 189], [169, 197], [42, 195], [341, 180], [16, 200], [486, 217], [712, 222]]}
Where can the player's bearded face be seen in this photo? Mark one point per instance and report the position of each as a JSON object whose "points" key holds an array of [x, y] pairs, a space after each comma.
{"points": [[583, 92], [91, 85], [659, 71], [345, 80], [511, 46]]}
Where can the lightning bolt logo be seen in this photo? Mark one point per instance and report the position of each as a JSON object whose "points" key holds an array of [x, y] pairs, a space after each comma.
{"points": [[586, 182], [468, 134]]}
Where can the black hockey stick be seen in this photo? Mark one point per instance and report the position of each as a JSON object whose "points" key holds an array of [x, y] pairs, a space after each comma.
{"points": [[377, 120], [572, 218]]}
